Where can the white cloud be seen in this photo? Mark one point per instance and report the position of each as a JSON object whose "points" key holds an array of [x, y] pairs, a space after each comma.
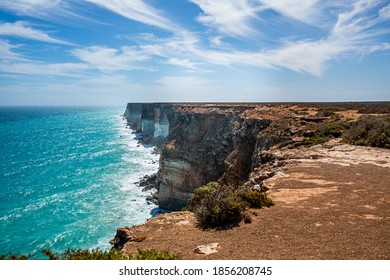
{"points": [[45, 69], [32, 7], [7, 53], [109, 59], [354, 28], [305, 56], [350, 36], [186, 63], [306, 11], [384, 13], [137, 10], [23, 29], [216, 41], [232, 17]]}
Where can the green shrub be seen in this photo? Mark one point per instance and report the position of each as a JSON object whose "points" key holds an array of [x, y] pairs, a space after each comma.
{"points": [[147, 254], [203, 191], [113, 254], [11, 256], [217, 206], [334, 128], [369, 131], [85, 254], [255, 199]]}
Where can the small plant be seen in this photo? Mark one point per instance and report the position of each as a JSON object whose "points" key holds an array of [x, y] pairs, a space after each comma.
{"points": [[113, 254], [255, 199], [150, 254], [247, 218], [217, 206], [11, 256], [85, 254]]}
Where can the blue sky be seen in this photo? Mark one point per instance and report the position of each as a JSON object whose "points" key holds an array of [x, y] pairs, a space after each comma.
{"points": [[109, 52]]}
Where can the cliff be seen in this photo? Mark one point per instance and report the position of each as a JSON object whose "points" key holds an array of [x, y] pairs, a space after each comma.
{"points": [[199, 143], [323, 187]]}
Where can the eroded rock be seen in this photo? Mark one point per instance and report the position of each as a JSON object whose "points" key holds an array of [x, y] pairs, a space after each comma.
{"points": [[125, 235], [207, 249]]}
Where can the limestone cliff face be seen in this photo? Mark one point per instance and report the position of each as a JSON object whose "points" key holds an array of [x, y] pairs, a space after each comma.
{"points": [[193, 155], [197, 146], [150, 121]]}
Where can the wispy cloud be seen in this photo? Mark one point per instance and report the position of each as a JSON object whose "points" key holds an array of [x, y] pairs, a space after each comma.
{"points": [[23, 29], [186, 63], [44, 69], [352, 34], [137, 10], [7, 52], [384, 12], [232, 17], [109, 59], [34, 8], [307, 11], [14, 62]]}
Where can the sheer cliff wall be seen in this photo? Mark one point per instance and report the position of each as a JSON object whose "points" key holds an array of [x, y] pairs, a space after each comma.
{"points": [[198, 144]]}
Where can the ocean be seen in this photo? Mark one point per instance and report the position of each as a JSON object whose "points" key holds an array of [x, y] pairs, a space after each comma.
{"points": [[68, 178]]}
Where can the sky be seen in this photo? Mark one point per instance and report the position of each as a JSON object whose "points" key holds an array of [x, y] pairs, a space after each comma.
{"points": [[110, 52]]}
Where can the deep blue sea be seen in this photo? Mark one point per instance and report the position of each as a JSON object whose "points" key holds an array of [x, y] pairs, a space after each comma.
{"points": [[67, 178]]}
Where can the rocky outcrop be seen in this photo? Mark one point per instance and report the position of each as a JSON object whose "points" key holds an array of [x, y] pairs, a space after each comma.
{"points": [[198, 144], [126, 235]]}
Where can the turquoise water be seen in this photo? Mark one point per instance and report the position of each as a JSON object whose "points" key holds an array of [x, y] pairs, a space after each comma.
{"points": [[67, 178]]}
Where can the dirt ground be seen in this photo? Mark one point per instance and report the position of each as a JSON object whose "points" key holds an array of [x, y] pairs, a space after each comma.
{"points": [[335, 205]]}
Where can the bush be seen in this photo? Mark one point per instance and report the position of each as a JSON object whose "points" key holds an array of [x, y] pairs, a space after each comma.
{"points": [[113, 254], [217, 206], [85, 254], [97, 254], [256, 199], [147, 254], [329, 130], [11, 256], [369, 131]]}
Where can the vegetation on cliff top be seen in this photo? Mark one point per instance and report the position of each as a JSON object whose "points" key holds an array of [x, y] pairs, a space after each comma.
{"points": [[97, 254], [217, 206], [371, 131]]}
